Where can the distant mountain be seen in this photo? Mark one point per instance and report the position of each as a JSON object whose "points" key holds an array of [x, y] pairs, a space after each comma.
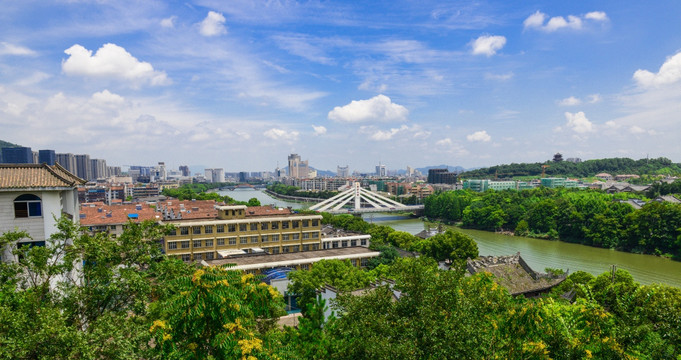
{"points": [[456, 169], [4, 144]]}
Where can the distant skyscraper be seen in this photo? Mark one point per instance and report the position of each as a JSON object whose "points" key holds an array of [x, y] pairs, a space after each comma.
{"points": [[243, 177], [381, 170], [17, 155], [343, 171], [297, 168], [35, 158], [184, 169], [47, 156], [68, 161], [98, 168], [441, 176], [84, 167]]}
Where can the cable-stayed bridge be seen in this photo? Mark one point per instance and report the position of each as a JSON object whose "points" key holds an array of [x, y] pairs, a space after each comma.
{"points": [[357, 200]]}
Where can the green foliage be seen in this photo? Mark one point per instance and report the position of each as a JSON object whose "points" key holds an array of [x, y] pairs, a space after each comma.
{"points": [[201, 192], [450, 245], [290, 190]]}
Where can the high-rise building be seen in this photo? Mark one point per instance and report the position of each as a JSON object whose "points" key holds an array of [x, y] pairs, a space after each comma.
{"points": [[297, 168], [68, 162], [441, 176], [343, 171], [17, 155], [47, 156], [216, 175], [243, 176], [84, 167], [99, 168], [381, 170], [35, 158], [184, 169]]}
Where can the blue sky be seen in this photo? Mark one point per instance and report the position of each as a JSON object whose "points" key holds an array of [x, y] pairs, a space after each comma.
{"points": [[241, 84]]}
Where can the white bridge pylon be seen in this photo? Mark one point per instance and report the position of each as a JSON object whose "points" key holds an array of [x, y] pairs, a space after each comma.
{"points": [[378, 203]]}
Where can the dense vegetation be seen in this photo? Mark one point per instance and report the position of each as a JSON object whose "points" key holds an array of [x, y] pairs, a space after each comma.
{"points": [[200, 192], [290, 190], [588, 168], [588, 217], [135, 303]]}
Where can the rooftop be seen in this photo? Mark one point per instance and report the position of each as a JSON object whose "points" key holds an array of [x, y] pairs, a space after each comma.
{"points": [[36, 176], [514, 274], [94, 214], [305, 257]]}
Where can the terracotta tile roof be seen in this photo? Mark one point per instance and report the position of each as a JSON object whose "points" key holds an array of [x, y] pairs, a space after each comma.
{"points": [[27, 176], [266, 211], [99, 214], [189, 209]]}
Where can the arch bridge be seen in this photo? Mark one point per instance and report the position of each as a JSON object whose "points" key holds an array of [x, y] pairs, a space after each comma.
{"points": [[362, 201]]}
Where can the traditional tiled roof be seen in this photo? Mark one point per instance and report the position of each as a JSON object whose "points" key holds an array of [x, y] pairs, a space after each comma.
{"points": [[266, 211], [94, 214], [188, 209], [36, 176], [513, 273]]}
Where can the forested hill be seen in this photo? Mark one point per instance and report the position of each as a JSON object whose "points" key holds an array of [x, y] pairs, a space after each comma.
{"points": [[4, 144], [614, 166]]}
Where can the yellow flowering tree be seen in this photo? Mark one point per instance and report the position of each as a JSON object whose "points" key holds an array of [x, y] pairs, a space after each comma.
{"points": [[217, 314]]}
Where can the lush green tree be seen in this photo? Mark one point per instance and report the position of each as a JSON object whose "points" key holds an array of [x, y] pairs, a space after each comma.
{"points": [[450, 245]]}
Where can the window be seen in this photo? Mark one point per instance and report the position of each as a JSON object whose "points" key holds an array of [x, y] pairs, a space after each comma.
{"points": [[363, 242], [221, 228], [315, 222], [209, 243], [306, 236], [353, 242], [197, 243], [274, 250], [284, 237], [184, 230], [112, 227], [232, 241], [209, 256], [208, 229], [264, 226], [232, 227], [221, 242], [254, 239], [275, 237], [173, 232], [264, 238], [354, 262], [242, 227], [315, 246], [186, 257], [285, 249], [284, 224], [172, 245], [305, 267], [306, 223], [27, 205], [364, 262], [296, 236], [243, 240], [275, 225], [198, 256], [306, 247], [196, 230], [334, 244], [344, 243], [295, 248], [254, 226], [315, 235], [296, 224], [184, 244]]}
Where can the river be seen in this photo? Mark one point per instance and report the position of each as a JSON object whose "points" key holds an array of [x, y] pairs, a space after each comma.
{"points": [[539, 254]]}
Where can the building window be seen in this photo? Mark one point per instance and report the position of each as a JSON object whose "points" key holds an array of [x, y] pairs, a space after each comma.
{"points": [[197, 243], [275, 237], [221, 228], [264, 226], [221, 242], [353, 242], [306, 223], [274, 250], [184, 230], [306, 236], [315, 246], [285, 249], [112, 227], [305, 267], [344, 243], [264, 238], [363, 242], [254, 239], [354, 262], [209, 256], [186, 257], [208, 229], [296, 236], [242, 227], [296, 224], [172, 232], [209, 243], [334, 244], [172, 245], [284, 237], [275, 225], [232, 227], [196, 230], [27, 205], [284, 224], [364, 262], [295, 248], [184, 244], [254, 226], [232, 241], [315, 235], [315, 222], [243, 240], [198, 256], [306, 247]]}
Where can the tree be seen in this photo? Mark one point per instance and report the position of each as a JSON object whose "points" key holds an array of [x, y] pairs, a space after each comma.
{"points": [[253, 202], [558, 157], [450, 245]]}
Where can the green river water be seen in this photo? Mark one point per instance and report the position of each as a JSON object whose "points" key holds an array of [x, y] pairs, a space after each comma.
{"points": [[539, 254]]}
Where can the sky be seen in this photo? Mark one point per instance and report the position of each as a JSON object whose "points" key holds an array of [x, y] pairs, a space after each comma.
{"points": [[241, 84]]}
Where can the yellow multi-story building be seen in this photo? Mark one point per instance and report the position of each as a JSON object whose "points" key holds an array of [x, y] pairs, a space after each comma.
{"points": [[241, 229]]}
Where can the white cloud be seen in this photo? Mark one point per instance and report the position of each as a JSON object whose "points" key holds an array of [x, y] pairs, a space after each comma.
{"points": [[594, 98], [281, 134], [670, 72], [571, 101], [488, 44], [480, 136], [111, 61], [169, 22], [636, 130], [578, 122], [448, 146], [213, 24], [537, 21], [11, 49], [499, 77], [612, 125], [35, 78], [319, 130], [106, 97], [379, 108]]}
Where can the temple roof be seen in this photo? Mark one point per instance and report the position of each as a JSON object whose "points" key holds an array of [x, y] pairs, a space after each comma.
{"points": [[36, 176]]}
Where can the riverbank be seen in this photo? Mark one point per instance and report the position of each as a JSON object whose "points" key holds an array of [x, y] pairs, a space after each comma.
{"points": [[292, 198]]}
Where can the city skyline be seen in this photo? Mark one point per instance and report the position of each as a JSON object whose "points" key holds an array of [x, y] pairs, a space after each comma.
{"points": [[241, 85]]}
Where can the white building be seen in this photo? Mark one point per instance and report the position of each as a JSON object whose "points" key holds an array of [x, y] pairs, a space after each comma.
{"points": [[33, 197]]}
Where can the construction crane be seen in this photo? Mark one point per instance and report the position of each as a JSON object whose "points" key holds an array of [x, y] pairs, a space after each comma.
{"points": [[543, 170]]}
